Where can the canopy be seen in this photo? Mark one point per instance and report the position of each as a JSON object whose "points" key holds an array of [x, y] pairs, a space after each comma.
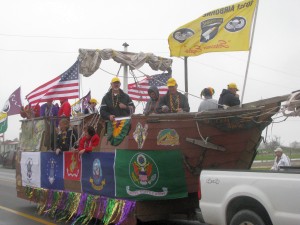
{"points": [[90, 60]]}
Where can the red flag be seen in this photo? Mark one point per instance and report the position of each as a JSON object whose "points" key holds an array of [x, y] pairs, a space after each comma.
{"points": [[64, 86], [139, 91], [72, 168]]}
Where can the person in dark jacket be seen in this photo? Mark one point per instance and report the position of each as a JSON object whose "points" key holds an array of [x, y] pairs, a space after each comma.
{"points": [[229, 97], [173, 101], [48, 109], [153, 102], [116, 103], [66, 137]]}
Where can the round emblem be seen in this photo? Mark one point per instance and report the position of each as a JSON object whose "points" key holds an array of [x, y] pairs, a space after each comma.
{"points": [[236, 24], [143, 171], [6, 107], [182, 34], [97, 173]]}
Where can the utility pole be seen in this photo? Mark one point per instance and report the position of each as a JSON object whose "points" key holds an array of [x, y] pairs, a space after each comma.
{"points": [[125, 78]]}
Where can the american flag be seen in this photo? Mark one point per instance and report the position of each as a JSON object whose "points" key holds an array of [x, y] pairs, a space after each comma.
{"points": [[65, 85], [139, 91]]}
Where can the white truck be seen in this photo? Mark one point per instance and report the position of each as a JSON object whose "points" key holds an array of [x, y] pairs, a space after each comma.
{"points": [[250, 197]]}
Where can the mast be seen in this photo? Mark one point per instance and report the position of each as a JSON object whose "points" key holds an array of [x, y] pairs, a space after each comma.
{"points": [[125, 78], [249, 55], [186, 86]]}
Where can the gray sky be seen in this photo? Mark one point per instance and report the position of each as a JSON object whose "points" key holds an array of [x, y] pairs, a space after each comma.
{"points": [[40, 40]]}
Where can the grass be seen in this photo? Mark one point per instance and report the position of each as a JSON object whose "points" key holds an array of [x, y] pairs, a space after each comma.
{"points": [[269, 156]]}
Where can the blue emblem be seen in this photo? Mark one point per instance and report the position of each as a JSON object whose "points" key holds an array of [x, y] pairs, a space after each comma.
{"points": [[29, 165], [97, 172]]}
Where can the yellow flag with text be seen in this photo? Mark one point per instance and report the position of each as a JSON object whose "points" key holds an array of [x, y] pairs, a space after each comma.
{"points": [[220, 30]]}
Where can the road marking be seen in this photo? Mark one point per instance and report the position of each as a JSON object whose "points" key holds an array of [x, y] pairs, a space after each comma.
{"points": [[27, 216]]}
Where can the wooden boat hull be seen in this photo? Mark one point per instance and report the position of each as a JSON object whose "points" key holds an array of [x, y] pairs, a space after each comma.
{"points": [[221, 139]]}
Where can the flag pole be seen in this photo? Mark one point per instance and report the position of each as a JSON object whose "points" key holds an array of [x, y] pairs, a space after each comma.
{"points": [[249, 55], [125, 78], [80, 84], [186, 77]]}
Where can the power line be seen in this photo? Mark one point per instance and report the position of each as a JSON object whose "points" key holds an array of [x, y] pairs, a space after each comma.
{"points": [[82, 38], [195, 61], [35, 51]]}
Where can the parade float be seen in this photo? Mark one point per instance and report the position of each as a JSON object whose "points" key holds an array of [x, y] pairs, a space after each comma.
{"points": [[147, 167]]}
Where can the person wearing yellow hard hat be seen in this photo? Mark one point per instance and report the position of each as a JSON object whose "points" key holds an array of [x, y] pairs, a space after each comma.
{"points": [[92, 106], [229, 97], [116, 103], [173, 101]]}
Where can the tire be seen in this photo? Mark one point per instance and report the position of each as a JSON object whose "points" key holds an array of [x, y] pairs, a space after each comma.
{"points": [[246, 217]]}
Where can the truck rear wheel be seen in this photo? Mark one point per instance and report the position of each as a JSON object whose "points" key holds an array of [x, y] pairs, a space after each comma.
{"points": [[246, 217]]}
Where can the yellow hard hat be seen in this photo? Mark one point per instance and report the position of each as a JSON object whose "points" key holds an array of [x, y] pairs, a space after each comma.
{"points": [[93, 100], [115, 79], [171, 82], [233, 86]]}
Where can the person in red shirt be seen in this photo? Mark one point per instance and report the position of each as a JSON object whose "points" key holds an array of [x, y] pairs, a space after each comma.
{"points": [[65, 108], [29, 111], [89, 141]]}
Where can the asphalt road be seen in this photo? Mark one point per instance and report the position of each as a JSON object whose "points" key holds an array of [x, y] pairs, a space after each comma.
{"points": [[14, 211]]}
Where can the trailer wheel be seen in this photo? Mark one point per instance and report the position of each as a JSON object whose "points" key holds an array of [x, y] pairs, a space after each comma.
{"points": [[246, 217]]}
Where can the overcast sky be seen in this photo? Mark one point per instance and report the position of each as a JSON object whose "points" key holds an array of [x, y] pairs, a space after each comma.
{"points": [[39, 40]]}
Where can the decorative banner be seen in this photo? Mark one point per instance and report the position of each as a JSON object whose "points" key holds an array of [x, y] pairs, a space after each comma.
{"points": [[98, 173], [224, 29], [72, 166], [31, 169], [3, 122], [140, 134], [32, 134], [117, 131], [80, 208], [149, 175], [168, 137], [52, 172]]}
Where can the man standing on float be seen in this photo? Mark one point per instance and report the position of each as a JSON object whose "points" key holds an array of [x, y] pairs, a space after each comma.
{"points": [[116, 103]]}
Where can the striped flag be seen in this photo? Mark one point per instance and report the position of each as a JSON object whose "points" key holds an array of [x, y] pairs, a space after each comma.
{"points": [[64, 86], [139, 91]]}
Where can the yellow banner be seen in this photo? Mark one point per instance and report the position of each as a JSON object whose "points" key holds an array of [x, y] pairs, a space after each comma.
{"points": [[220, 30]]}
